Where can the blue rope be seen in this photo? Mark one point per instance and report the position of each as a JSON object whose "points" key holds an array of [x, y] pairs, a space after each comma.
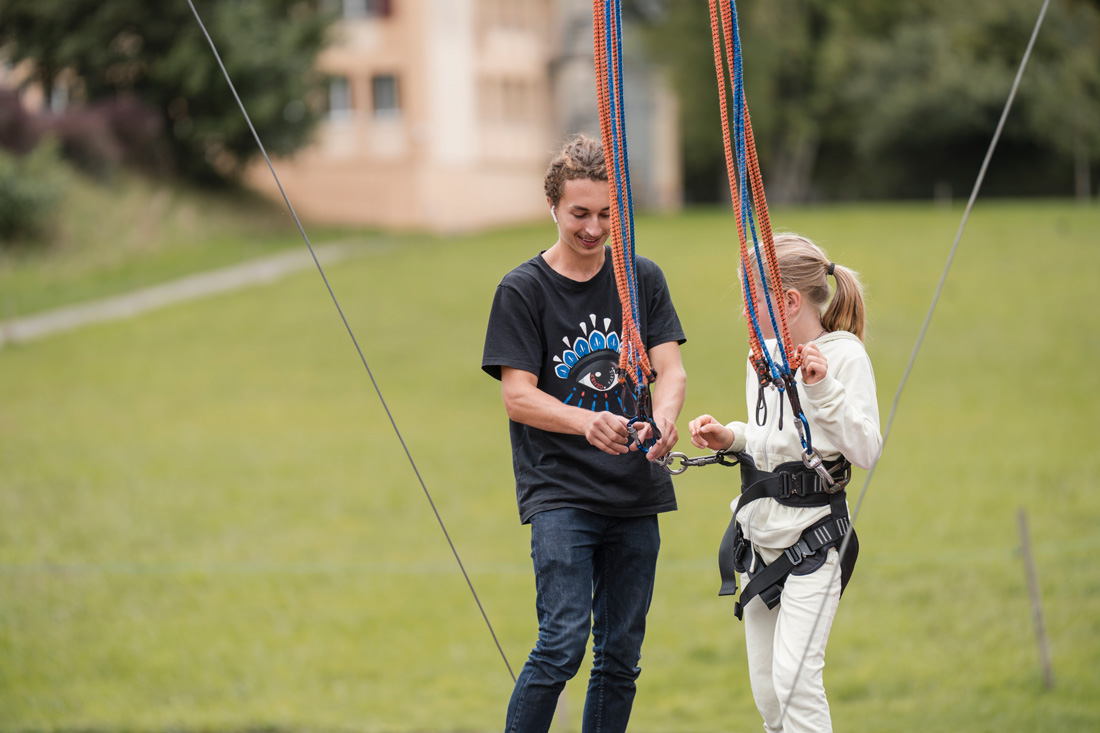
{"points": [[781, 374], [741, 143], [621, 159]]}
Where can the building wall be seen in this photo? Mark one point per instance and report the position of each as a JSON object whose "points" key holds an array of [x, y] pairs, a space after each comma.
{"points": [[487, 89], [466, 148]]}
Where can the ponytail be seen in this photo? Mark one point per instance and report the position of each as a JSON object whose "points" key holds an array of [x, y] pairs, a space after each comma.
{"points": [[805, 267], [846, 311]]}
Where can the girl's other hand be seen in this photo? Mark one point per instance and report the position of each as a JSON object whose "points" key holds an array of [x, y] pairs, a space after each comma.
{"points": [[706, 432], [814, 364]]}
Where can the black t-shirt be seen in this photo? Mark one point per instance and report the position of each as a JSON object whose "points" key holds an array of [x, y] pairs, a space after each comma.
{"points": [[567, 334]]}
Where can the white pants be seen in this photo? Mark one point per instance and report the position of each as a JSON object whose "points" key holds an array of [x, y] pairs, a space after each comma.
{"points": [[776, 640]]}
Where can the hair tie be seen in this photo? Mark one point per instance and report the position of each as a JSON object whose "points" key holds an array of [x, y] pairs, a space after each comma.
{"points": [[830, 268]]}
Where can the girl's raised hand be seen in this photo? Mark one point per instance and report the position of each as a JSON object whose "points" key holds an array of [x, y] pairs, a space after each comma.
{"points": [[706, 432], [814, 364]]}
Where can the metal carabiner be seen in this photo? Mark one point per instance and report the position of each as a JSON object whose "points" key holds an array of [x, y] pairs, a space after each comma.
{"points": [[687, 462], [667, 460], [815, 462], [632, 433]]}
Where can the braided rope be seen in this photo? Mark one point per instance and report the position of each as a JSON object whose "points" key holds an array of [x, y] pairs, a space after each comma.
{"points": [[747, 194], [748, 284], [607, 48], [744, 176]]}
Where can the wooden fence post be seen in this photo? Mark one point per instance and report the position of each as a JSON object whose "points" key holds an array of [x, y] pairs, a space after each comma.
{"points": [[1036, 601]]}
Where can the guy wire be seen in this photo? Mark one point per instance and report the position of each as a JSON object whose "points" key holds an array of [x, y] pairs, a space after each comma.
{"points": [[355, 341], [920, 337]]}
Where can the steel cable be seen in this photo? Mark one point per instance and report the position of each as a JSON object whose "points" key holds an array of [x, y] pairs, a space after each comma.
{"points": [[355, 341]]}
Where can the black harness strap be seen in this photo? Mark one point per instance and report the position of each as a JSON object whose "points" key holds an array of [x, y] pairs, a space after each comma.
{"points": [[793, 485], [768, 583]]}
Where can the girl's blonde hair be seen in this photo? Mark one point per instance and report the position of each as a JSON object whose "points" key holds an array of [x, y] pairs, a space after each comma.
{"points": [[804, 267]]}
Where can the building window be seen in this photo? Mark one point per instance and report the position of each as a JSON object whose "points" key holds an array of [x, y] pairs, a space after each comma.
{"points": [[508, 101], [384, 94], [339, 99], [514, 14], [357, 9]]}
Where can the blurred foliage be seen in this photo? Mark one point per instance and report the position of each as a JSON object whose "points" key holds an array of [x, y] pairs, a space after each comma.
{"points": [[31, 187], [157, 53], [870, 98]]}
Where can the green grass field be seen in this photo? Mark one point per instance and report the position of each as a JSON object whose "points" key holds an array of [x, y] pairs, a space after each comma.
{"points": [[133, 233], [207, 523]]}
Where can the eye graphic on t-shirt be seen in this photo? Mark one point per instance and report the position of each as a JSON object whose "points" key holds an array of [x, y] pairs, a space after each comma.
{"points": [[598, 371], [591, 362]]}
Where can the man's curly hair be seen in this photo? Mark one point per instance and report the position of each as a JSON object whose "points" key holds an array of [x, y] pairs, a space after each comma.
{"points": [[580, 157]]}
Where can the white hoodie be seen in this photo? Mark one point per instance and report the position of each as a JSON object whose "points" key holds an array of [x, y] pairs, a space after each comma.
{"points": [[842, 410]]}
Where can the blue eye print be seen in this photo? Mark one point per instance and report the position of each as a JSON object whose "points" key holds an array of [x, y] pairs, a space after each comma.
{"points": [[591, 363]]}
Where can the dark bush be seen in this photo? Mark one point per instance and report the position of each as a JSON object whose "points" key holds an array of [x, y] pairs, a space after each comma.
{"points": [[140, 131], [19, 131], [112, 133], [97, 139], [87, 141]]}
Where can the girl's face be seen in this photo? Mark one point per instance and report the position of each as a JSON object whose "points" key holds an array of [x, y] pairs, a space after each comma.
{"points": [[584, 217], [760, 306]]}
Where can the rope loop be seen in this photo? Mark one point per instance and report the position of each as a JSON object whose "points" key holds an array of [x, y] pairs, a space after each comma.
{"points": [[643, 413]]}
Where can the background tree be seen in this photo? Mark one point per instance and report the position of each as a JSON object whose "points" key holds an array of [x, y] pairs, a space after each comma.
{"points": [[156, 52], [931, 89], [1063, 89], [792, 58], [876, 98], [680, 41]]}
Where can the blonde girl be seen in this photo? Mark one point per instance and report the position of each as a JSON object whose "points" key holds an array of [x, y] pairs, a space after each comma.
{"points": [[788, 521]]}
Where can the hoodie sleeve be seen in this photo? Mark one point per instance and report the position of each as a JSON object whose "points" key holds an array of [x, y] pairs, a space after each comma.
{"points": [[844, 404]]}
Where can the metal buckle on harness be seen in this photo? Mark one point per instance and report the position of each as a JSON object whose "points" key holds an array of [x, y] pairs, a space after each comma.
{"points": [[784, 485], [632, 433], [741, 548], [797, 484], [796, 552]]}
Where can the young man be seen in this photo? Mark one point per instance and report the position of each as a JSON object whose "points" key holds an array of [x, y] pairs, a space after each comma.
{"points": [[590, 496]]}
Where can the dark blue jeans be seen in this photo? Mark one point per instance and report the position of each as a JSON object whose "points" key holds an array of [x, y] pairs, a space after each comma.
{"points": [[591, 572]]}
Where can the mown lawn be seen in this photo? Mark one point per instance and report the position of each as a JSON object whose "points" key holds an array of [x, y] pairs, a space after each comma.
{"points": [[207, 522]]}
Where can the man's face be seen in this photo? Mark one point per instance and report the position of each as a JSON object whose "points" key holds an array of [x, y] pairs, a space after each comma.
{"points": [[584, 216]]}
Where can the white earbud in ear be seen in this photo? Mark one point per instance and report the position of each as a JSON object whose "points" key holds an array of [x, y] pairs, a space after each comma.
{"points": [[553, 215]]}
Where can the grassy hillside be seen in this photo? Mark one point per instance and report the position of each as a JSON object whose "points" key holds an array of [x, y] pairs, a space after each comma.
{"points": [[131, 233], [207, 523]]}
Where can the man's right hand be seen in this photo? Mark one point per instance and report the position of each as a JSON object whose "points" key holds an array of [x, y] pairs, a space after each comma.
{"points": [[608, 432]]}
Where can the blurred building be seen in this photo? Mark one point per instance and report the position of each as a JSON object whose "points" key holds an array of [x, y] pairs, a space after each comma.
{"points": [[442, 114]]}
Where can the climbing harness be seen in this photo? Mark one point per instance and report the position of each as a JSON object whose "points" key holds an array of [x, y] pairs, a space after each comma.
{"points": [[634, 367], [791, 484]]}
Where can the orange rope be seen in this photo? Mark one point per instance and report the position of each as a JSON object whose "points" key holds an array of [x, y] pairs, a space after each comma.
{"points": [[731, 164], [759, 201], [632, 352]]}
